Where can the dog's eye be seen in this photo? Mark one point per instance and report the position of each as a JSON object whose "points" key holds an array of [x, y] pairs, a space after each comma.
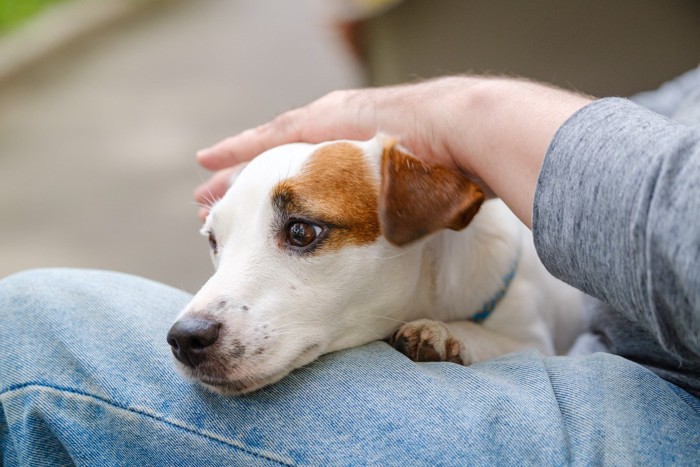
{"points": [[301, 234], [212, 242]]}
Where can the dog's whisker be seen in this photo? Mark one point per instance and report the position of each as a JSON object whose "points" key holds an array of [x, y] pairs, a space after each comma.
{"points": [[385, 317], [297, 321], [201, 205], [209, 198], [386, 258], [181, 288], [287, 331]]}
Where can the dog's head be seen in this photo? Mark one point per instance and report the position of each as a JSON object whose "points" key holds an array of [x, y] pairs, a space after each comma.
{"points": [[316, 250]]}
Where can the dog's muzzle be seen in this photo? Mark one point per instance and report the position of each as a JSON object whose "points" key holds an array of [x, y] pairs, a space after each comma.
{"points": [[189, 339]]}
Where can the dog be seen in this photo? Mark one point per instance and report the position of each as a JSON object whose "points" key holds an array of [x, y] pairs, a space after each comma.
{"points": [[319, 248]]}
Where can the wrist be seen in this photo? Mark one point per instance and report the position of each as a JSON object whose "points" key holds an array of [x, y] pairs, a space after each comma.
{"points": [[506, 126]]}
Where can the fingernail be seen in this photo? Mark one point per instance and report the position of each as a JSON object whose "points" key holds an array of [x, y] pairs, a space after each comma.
{"points": [[203, 153]]}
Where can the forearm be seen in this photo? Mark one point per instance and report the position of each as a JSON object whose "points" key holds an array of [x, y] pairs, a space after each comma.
{"points": [[505, 129]]}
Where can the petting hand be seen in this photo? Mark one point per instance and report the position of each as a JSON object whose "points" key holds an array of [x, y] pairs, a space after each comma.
{"points": [[407, 112], [496, 130]]}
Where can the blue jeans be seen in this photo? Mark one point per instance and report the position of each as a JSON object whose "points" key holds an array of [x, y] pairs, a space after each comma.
{"points": [[86, 377]]}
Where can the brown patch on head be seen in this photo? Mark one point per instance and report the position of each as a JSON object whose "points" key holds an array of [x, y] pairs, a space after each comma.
{"points": [[335, 187], [417, 199]]}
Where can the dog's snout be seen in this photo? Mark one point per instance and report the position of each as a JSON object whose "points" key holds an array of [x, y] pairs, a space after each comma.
{"points": [[189, 339]]}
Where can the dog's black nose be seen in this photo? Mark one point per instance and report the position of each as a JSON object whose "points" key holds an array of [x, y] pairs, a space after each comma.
{"points": [[190, 337]]}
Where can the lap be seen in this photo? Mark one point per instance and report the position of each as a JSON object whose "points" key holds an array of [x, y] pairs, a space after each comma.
{"points": [[86, 374]]}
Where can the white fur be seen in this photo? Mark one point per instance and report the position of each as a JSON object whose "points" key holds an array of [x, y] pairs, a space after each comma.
{"points": [[299, 307]]}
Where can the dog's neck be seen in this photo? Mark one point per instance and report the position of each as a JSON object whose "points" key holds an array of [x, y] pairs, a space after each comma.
{"points": [[466, 271]]}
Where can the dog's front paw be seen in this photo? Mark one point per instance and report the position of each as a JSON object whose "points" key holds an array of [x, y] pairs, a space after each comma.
{"points": [[426, 340]]}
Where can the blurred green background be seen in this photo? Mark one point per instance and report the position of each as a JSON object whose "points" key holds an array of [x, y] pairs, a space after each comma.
{"points": [[15, 12]]}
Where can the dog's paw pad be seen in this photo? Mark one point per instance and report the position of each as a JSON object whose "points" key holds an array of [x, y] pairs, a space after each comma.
{"points": [[426, 341]]}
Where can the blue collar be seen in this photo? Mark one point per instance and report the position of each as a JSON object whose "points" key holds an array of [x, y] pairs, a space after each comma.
{"points": [[491, 304]]}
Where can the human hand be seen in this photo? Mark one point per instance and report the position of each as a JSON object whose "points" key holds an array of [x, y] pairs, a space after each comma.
{"points": [[408, 112], [495, 130]]}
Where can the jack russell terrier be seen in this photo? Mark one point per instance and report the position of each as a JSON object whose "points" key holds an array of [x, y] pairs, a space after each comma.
{"points": [[319, 248]]}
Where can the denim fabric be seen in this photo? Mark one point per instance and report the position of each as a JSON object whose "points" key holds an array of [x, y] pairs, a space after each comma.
{"points": [[86, 377]]}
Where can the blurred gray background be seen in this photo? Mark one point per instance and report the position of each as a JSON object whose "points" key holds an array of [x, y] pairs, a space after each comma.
{"points": [[98, 134], [97, 139]]}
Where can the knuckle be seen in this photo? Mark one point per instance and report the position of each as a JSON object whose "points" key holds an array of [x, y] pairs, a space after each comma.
{"points": [[339, 97], [336, 95], [264, 128], [282, 122]]}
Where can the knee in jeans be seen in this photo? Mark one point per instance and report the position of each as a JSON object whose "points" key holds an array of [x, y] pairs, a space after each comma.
{"points": [[27, 293], [21, 292]]}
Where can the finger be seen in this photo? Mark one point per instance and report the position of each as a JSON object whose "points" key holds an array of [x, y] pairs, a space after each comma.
{"points": [[202, 214], [248, 144], [213, 189], [334, 116]]}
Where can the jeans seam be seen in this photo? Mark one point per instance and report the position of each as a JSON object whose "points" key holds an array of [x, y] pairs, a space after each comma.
{"points": [[562, 423], [17, 387]]}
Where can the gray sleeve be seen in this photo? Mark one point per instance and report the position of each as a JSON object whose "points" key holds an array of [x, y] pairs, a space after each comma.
{"points": [[617, 215], [670, 96]]}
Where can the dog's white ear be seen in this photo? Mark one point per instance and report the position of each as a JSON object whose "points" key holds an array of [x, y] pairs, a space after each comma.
{"points": [[417, 199]]}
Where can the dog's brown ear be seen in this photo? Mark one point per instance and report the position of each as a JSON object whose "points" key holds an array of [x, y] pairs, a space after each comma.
{"points": [[417, 199]]}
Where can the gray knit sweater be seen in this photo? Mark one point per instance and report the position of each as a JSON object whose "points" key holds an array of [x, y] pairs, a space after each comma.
{"points": [[617, 215]]}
